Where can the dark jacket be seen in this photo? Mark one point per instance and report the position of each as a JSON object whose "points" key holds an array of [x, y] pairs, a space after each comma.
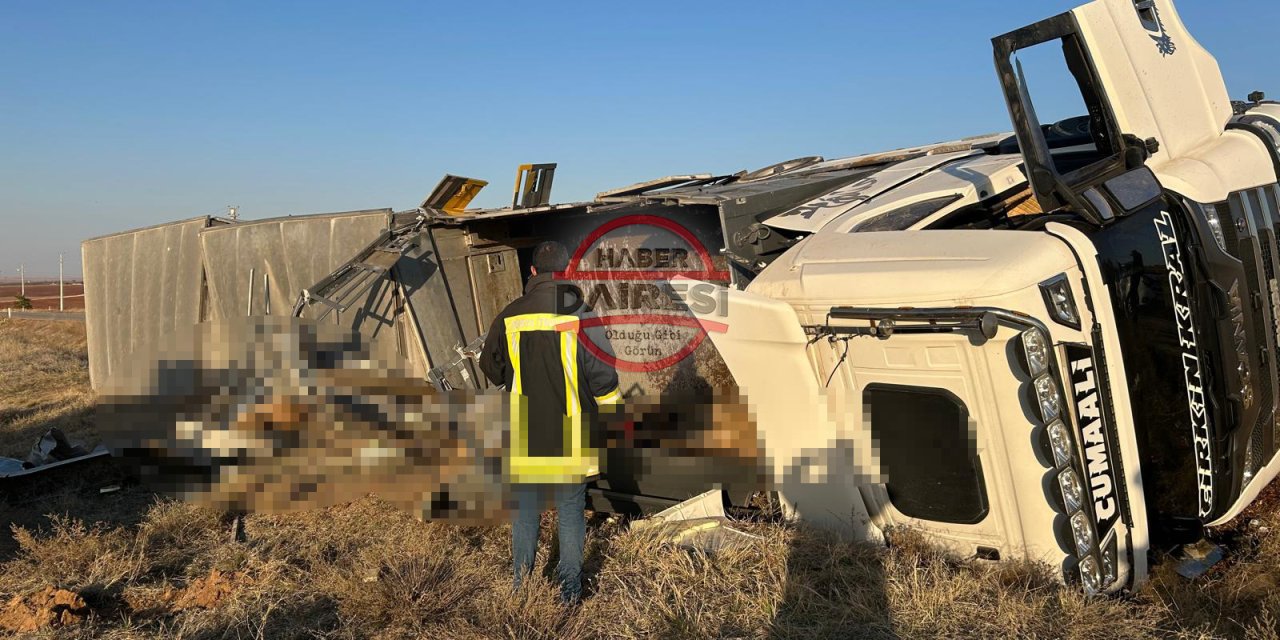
{"points": [[558, 368]]}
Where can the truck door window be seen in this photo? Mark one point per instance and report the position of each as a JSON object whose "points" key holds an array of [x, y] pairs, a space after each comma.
{"points": [[928, 452], [1046, 70], [1062, 96]]}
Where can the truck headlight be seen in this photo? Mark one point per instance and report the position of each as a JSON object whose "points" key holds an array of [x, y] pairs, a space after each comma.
{"points": [[1048, 398], [1090, 576], [1081, 533], [1060, 442], [1109, 556], [1036, 347], [1060, 302], [1072, 490], [1215, 225]]}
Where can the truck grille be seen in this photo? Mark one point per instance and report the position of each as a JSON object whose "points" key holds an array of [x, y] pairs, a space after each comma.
{"points": [[1261, 443], [1267, 264], [1250, 217], [1269, 199], [1257, 453]]}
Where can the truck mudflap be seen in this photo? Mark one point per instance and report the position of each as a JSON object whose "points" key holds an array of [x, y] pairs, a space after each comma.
{"points": [[815, 455]]}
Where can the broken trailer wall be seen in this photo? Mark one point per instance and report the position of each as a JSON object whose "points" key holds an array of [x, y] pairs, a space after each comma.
{"points": [[139, 286], [436, 285], [260, 267]]}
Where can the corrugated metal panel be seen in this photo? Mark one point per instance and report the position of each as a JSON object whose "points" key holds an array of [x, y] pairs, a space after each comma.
{"points": [[139, 286], [293, 253]]}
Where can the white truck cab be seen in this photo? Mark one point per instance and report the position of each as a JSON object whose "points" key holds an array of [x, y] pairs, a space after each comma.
{"points": [[1060, 346]]}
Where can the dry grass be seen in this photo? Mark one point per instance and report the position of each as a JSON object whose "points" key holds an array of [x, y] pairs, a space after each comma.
{"points": [[44, 382], [151, 568]]}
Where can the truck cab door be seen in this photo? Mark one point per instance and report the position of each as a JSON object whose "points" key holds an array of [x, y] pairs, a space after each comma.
{"points": [[1155, 111], [1083, 163]]}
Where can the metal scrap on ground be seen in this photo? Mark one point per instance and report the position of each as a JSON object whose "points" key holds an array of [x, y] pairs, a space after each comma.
{"points": [[699, 523]]}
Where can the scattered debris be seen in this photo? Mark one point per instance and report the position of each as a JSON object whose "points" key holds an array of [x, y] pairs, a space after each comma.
{"points": [[48, 608], [52, 447], [698, 523], [10, 466], [705, 505], [708, 535], [56, 465], [1194, 560]]}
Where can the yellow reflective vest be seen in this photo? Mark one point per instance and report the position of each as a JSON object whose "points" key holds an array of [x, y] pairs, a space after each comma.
{"points": [[535, 348]]}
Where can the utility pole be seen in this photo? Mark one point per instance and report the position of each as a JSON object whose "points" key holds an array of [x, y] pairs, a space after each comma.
{"points": [[22, 277], [62, 305]]}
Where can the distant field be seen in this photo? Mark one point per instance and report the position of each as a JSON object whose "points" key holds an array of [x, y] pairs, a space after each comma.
{"points": [[44, 295], [132, 565]]}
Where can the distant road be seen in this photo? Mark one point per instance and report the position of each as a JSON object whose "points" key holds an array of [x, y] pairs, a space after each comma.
{"points": [[75, 316]]}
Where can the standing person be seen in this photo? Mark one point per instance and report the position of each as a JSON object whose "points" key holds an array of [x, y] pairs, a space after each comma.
{"points": [[534, 349]]}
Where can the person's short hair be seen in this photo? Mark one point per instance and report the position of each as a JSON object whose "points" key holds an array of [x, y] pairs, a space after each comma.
{"points": [[550, 257]]}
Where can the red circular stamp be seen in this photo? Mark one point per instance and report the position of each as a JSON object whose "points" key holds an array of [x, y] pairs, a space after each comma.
{"points": [[652, 285]]}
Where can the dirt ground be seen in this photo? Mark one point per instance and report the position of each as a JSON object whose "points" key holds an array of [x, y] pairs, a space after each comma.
{"points": [[44, 295], [130, 564]]}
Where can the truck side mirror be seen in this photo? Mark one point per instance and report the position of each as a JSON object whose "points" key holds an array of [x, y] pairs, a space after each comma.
{"points": [[1134, 189]]}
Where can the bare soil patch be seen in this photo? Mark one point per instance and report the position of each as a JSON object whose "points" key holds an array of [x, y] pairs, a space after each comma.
{"points": [[44, 295], [48, 608]]}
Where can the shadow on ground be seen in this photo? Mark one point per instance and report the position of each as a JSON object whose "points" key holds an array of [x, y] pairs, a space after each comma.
{"points": [[77, 500], [834, 589]]}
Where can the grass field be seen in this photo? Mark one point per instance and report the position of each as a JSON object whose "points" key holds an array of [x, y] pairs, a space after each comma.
{"points": [[133, 565]]}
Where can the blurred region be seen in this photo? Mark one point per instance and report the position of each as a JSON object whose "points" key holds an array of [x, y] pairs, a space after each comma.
{"points": [[274, 414]]}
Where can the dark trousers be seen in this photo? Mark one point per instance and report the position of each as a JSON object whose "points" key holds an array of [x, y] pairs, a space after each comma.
{"points": [[571, 505]]}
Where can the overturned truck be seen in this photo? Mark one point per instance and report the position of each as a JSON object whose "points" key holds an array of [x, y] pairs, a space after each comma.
{"points": [[1059, 343], [1076, 373]]}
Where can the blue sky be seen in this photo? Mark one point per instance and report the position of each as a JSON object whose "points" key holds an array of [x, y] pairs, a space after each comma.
{"points": [[115, 115]]}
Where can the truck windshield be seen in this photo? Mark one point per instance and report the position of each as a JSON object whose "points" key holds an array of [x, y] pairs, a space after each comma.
{"points": [[928, 452]]}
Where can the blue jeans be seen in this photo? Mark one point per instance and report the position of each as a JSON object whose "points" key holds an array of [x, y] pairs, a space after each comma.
{"points": [[571, 506]]}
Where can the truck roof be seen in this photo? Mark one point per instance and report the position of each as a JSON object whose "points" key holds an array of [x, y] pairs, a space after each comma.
{"points": [[889, 268]]}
